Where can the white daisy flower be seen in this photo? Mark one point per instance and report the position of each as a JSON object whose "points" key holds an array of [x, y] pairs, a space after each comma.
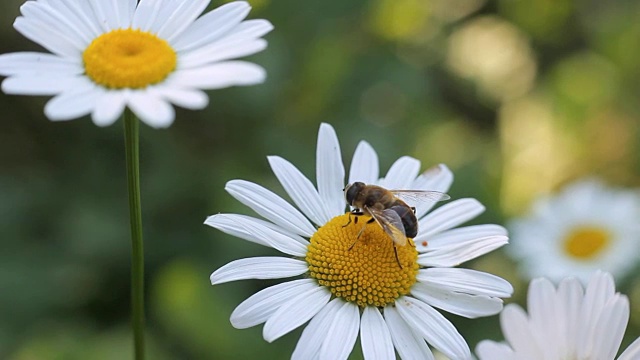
{"points": [[361, 289], [108, 55], [565, 323], [586, 227]]}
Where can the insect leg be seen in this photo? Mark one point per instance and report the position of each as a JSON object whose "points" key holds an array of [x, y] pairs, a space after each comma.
{"points": [[395, 250], [349, 222], [360, 233], [358, 236], [353, 244], [356, 213]]}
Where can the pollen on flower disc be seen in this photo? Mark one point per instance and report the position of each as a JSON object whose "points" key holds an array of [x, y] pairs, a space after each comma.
{"points": [[368, 273], [127, 58]]}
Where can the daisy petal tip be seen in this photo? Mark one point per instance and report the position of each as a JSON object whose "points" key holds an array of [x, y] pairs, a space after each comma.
{"points": [[161, 124], [55, 115], [481, 208], [259, 75], [271, 334], [208, 219], [268, 25], [202, 103], [5, 87], [102, 121], [327, 130], [241, 5], [237, 322], [214, 279]]}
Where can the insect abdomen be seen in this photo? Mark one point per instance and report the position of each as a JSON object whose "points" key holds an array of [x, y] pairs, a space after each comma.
{"points": [[409, 220]]}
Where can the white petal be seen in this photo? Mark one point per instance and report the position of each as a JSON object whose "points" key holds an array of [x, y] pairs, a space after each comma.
{"points": [[221, 51], [72, 103], [38, 64], [56, 18], [48, 38], [168, 9], [518, 333], [254, 230], [409, 345], [469, 306], [187, 98], [466, 281], [569, 301], [211, 26], [375, 336], [181, 18], [67, 18], [432, 326], [270, 206], [329, 170], [459, 253], [249, 29], [401, 174], [600, 289], [42, 85], [295, 312], [150, 109], [457, 236], [632, 352], [300, 189], [364, 166], [228, 223], [268, 267], [106, 13], [610, 327], [125, 10], [316, 332], [342, 333], [449, 216], [220, 75], [259, 307], [82, 15], [108, 108], [146, 14], [436, 178], [491, 350], [543, 317]]}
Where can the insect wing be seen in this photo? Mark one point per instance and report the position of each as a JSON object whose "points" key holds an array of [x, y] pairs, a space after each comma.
{"points": [[391, 223], [417, 196]]}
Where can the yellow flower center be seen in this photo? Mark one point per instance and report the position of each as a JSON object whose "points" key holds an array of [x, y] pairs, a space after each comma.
{"points": [[363, 270], [127, 58], [586, 242]]}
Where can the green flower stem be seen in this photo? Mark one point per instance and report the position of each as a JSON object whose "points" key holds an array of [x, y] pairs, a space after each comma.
{"points": [[131, 125]]}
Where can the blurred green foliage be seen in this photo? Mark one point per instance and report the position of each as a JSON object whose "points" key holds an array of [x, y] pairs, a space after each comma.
{"points": [[517, 97]]}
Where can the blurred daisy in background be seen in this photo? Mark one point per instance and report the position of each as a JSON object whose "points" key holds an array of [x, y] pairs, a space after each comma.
{"points": [[108, 55], [567, 322], [586, 227], [354, 285]]}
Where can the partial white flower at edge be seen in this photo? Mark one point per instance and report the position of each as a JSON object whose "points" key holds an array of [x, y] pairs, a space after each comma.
{"points": [[108, 55], [354, 286], [588, 226], [567, 322]]}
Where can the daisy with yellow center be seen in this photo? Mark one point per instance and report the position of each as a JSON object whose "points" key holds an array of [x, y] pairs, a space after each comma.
{"points": [[108, 55], [354, 285], [586, 227]]}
